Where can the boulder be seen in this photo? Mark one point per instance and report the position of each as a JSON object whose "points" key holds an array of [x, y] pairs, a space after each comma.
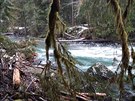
{"points": [[100, 71]]}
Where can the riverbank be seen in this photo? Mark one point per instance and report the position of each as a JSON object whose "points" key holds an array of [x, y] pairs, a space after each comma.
{"points": [[35, 83], [97, 83]]}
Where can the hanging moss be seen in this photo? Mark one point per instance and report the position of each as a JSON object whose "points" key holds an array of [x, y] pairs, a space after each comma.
{"points": [[120, 21], [61, 55], [127, 9], [52, 22], [132, 55]]}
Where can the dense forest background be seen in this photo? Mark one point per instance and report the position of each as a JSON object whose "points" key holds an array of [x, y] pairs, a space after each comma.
{"points": [[111, 20], [32, 16]]}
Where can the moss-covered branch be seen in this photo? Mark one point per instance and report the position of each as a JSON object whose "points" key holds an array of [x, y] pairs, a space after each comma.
{"points": [[120, 25], [61, 55]]}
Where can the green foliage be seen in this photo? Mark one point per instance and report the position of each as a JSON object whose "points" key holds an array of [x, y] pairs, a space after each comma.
{"points": [[26, 47], [32, 16], [97, 14], [131, 19], [7, 9], [51, 86], [66, 11], [8, 45]]}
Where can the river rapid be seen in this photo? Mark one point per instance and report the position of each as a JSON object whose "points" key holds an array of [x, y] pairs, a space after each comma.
{"points": [[88, 54]]}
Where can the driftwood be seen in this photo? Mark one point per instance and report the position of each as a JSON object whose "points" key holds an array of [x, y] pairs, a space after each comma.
{"points": [[69, 35], [16, 78], [16, 71]]}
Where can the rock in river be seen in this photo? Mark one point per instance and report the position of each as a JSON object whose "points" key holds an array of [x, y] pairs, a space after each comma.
{"points": [[101, 71]]}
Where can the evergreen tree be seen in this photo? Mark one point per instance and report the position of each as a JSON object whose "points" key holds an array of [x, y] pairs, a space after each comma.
{"points": [[7, 9]]}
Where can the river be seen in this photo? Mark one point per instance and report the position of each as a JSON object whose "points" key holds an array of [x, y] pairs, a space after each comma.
{"points": [[88, 54]]}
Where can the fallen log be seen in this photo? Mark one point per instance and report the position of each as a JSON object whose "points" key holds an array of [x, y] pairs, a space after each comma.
{"points": [[75, 40], [89, 41]]}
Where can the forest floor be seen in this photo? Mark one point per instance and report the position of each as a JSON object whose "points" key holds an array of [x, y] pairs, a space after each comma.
{"points": [[30, 89]]}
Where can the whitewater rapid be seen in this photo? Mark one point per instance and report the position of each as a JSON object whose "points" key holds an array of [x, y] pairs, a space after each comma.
{"points": [[87, 54]]}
